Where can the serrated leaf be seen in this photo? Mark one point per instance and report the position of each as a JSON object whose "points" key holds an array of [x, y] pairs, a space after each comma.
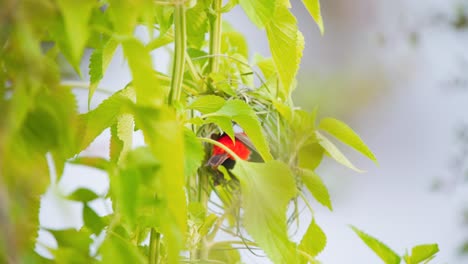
{"points": [[98, 63], [260, 12], [76, 15], [316, 187], [346, 135], [97, 120], [422, 253], [334, 152], [125, 125], [83, 195], [313, 6], [207, 104], [266, 190], [379, 248], [194, 153], [92, 220], [145, 81], [286, 45], [313, 241]]}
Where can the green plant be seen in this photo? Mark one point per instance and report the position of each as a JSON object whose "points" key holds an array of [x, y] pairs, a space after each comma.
{"points": [[162, 191]]}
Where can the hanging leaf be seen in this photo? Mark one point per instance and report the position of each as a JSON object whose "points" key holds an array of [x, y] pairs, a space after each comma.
{"points": [[76, 16], [266, 190], [334, 152], [145, 81], [346, 135], [194, 153], [313, 241], [316, 187], [245, 116], [313, 6], [197, 25], [286, 45], [260, 12], [379, 248]]}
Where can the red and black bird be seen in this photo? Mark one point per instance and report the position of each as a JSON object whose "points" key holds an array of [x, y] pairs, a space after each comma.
{"points": [[241, 146]]}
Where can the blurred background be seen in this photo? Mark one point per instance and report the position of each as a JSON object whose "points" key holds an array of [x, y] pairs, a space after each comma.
{"points": [[395, 71]]}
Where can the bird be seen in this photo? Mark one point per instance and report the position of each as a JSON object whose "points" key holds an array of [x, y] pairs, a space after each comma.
{"points": [[241, 146]]}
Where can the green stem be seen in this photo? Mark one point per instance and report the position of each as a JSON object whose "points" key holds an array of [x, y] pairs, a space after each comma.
{"points": [[155, 239], [215, 36], [229, 151], [180, 44]]}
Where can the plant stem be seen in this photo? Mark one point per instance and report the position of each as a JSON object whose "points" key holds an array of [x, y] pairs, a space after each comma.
{"points": [[180, 44], [155, 238], [215, 36]]}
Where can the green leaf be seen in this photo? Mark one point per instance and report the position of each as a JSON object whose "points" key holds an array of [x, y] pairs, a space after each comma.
{"points": [[224, 123], [286, 45], [240, 112], [334, 152], [421, 253], [124, 15], [194, 153], [310, 156], [224, 253], [207, 104], [346, 135], [145, 81], [125, 125], [104, 116], [98, 63], [313, 241], [71, 238], [83, 195], [379, 248], [260, 12], [94, 162], [266, 190], [233, 42], [76, 15], [197, 25], [117, 250], [92, 220], [164, 135], [116, 145], [313, 6], [316, 187]]}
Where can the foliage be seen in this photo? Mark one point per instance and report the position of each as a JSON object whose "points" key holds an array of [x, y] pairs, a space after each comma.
{"points": [[163, 196], [419, 254]]}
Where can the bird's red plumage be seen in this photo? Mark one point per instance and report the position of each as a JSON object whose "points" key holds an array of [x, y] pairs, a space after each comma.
{"points": [[237, 147]]}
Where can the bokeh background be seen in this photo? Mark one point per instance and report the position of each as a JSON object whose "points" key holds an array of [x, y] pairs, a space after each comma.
{"points": [[397, 72]]}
